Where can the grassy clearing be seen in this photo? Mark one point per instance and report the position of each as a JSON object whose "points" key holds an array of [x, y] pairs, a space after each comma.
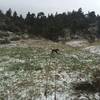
{"points": [[32, 72]]}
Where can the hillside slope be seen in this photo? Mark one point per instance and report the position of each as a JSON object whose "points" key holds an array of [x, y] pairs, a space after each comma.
{"points": [[29, 71]]}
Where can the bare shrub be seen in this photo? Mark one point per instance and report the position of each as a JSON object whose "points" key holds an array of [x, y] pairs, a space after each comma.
{"points": [[86, 86], [15, 38]]}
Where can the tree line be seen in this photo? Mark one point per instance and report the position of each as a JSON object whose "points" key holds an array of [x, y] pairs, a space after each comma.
{"points": [[52, 26]]}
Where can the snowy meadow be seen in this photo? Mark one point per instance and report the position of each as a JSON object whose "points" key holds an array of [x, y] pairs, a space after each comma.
{"points": [[31, 72]]}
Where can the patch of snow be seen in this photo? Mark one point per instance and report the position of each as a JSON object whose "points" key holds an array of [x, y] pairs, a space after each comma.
{"points": [[1, 68], [75, 56], [97, 96], [83, 98], [13, 60], [77, 43], [93, 49], [8, 45]]}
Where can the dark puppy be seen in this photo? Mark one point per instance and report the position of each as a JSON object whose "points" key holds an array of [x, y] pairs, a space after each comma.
{"points": [[55, 51]]}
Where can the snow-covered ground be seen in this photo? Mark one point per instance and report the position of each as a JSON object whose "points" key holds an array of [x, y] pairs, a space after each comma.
{"points": [[93, 49], [77, 43], [31, 73]]}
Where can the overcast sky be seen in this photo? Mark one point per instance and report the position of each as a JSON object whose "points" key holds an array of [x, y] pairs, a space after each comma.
{"points": [[50, 6]]}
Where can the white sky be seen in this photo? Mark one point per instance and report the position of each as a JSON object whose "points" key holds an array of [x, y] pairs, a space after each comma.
{"points": [[50, 6]]}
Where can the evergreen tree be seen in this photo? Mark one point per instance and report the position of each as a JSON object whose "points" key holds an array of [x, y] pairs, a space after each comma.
{"points": [[9, 12]]}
